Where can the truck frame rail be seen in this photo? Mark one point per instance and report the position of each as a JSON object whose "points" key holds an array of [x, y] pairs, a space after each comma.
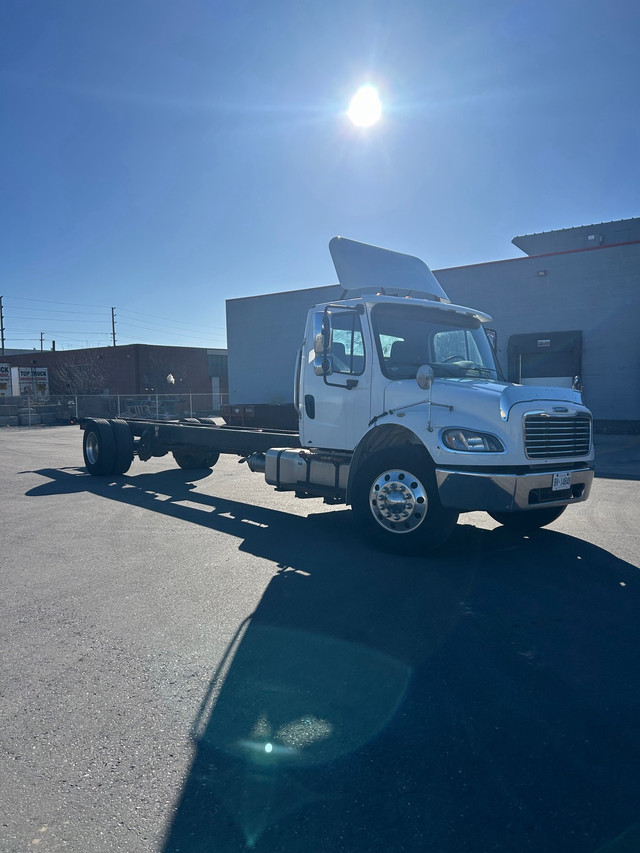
{"points": [[221, 438]]}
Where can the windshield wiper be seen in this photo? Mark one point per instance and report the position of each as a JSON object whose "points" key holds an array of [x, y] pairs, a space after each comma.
{"points": [[445, 368], [483, 371]]}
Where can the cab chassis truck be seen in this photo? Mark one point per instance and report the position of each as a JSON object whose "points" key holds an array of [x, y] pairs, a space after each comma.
{"points": [[403, 414]]}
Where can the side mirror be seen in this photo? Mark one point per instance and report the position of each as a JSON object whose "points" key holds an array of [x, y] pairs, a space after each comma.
{"points": [[322, 340], [576, 385], [425, 376], [323, 365]]}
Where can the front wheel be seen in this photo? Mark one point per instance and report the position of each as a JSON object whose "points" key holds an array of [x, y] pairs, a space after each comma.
{"points": [[528, 519], [396, 501]]}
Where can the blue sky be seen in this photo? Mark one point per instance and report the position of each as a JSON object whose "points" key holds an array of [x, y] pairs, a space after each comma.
{"points": [[161, 157]]}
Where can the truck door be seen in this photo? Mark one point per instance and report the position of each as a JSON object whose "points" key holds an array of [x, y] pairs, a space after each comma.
{"points": [[335, 406]]}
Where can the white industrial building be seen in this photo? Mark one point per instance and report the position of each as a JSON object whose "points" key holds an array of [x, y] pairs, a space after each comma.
{"points": [[569, 307]]}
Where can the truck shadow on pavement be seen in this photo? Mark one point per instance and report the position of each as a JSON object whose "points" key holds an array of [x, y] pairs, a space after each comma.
{"points": [[485, 698]]}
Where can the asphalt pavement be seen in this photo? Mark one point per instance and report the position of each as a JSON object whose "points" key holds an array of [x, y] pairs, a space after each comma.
{"points": [[193, 662]]}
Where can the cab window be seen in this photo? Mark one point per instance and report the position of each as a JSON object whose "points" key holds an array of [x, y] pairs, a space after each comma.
{"points": [[347, 343]]}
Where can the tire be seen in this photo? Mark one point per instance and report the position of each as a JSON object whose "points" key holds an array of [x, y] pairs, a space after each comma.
{"points": [[396, 502], [528, 519], [99, 447], [192, 458], [124, 445]]}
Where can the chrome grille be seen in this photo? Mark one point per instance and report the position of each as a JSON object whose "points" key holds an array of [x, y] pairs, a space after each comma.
{"points": [[548, 437]]}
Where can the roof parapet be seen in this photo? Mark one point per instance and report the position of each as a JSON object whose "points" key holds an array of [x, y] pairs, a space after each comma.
{"points": [[581, 237]]}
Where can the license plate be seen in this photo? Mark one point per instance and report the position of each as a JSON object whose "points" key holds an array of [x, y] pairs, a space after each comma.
{"points": [[561, 481]]}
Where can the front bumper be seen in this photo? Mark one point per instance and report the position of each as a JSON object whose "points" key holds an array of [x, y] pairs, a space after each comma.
{"points": [[496, 492]]}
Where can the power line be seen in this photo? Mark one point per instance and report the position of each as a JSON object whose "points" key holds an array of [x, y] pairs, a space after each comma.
{"points": [[122, 311], [194, 334], [180, 334], [56, 311], [176, 330], [58, 344], [48, 325], [180, 326], [57, 302], [125, 312], [55, 332]]}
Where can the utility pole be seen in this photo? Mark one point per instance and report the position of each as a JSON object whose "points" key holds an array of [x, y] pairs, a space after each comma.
{"points": [[113, 325], [41, 341], [1, 326]]}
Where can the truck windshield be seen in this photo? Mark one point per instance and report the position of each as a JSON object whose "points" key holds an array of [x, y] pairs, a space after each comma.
{"points": [[455, 345]]}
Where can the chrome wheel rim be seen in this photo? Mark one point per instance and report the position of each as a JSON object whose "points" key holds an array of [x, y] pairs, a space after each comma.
{"points": [[398, 501], [92, 448]]}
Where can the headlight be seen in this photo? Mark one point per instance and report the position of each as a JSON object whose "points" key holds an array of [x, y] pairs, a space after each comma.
{"points": [[471, 441]]}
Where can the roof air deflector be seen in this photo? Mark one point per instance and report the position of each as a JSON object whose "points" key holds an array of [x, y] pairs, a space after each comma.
{"points": [[362, 268]]}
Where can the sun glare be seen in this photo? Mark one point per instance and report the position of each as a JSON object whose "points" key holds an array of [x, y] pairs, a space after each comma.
{"points": [[365, 108]]}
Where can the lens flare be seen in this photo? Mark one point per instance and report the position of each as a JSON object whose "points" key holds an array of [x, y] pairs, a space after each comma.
{"points": [[365, 108]]}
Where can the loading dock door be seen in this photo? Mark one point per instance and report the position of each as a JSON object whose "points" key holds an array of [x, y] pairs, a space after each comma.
{"points": [[545, 358]]}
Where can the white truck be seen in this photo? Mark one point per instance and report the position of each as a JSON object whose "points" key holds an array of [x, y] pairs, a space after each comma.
{"points": [[403, 414]]}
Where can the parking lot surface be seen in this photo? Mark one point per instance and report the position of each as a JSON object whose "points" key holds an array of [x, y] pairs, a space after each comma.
{"points": [[198, 663]]}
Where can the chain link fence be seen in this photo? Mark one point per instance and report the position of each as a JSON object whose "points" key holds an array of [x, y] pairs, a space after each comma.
{"points": [[64, 409]]}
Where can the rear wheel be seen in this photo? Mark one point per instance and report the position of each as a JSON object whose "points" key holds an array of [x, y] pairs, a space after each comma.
{"points": [[192, 458], [124, 445], [99, 447], [397, 504], [528, 519]]}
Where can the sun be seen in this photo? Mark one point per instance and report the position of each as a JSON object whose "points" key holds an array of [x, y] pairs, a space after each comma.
{"points": [[365, 108]]}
